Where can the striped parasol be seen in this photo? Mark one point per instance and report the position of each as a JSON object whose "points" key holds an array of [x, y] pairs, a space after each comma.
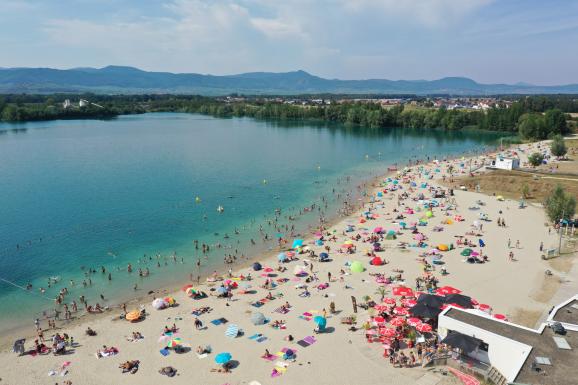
{"points": [[232, 331]]}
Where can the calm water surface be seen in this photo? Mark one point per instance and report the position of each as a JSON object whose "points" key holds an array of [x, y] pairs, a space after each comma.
{"points": [[79, 194]]}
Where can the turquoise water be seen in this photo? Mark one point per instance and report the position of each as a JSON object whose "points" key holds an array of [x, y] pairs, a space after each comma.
{"points": [[84, 194]]}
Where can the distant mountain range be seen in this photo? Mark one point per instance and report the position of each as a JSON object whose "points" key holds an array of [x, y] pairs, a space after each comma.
{"points": [[129, 80]]}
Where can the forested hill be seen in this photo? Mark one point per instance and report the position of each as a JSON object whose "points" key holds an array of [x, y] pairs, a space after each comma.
{"points": [[129, 80]]}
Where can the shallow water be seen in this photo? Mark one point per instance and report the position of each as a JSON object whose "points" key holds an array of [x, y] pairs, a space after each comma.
{"points": [[77, 194]]}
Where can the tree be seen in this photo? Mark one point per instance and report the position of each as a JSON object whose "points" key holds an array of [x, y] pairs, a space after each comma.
{"points": [[381, 291], [536, 159], [560, 205], [528, 126], [558, 147], [556, 122]]}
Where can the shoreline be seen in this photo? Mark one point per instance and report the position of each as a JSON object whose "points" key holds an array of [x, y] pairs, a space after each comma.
{"points": [[371, 185]]}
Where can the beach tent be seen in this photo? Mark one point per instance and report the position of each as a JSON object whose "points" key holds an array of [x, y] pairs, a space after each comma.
{"points": [[258, 318], [357, 267], [159, 304], [466, 252], [299, 270], [323, 257], [481, 242], [321, 322], [376, 261], [257, 266]]}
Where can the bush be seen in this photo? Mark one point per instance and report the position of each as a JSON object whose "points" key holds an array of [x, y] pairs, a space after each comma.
{"points": [[560, 205], [536, 159], [558, 147]]}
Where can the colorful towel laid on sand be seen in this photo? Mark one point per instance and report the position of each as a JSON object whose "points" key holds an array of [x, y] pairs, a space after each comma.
{"points": [[258, 337], [279, 369], [305, 342], [282, 310], [219, 321], [464, 378]]}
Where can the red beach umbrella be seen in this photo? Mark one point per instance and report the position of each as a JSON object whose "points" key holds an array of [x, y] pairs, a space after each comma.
{"points": [[379, 319], [424, 328], [387, 332], [501, 317], [389, 301], [402, 291], [448, 290], [380, 307], [409, 302], [484, 307], [413, 321], [400, 311], [397, 321]]}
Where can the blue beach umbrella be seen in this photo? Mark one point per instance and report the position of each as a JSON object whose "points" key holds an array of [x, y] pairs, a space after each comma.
{"points": [[221, 290], [282, 257], [321, 321], [297, 243], [223, 358], [319, 242]]}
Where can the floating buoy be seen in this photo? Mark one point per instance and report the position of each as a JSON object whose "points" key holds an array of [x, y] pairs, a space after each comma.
{"points": [[197, 200], [265, 181]]}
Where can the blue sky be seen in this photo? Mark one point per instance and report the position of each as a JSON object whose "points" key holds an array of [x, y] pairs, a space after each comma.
{"points": [[491, 41]]}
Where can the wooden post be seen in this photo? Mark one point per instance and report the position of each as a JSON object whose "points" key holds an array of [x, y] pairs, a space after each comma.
{"points": [[354, 302]]}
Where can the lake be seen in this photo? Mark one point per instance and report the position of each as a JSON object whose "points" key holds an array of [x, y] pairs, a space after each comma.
{"points": [[78, 195]]}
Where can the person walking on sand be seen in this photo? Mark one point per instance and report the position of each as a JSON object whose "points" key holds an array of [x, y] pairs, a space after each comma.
{"points": [[541, 246], [509, 243], [511, 256], [517, 244]]}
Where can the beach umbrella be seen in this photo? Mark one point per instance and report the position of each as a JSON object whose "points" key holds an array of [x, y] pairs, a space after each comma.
{"points": [[170, 300], [174, 342], [443, 247], [461, 341], [297, 243], [379, 319], [390, 301], [319, 242], [257, 266], [402, 225], [445, 290], [378, 230], [186, 287], [323, 255], [380, 308], [320, 320], [347, 245], [459, 299], [413, 321], [159, 303], [500, 317], [132, 316], [409, 302], [424, 311], [223, 358], [232, 331], [191, 291], [258, 318], [356, 267], [431, 300], [221, 290], [282, 257], [402, 291], [424, 328], [397, 321], [400, 311], [387, 332]]}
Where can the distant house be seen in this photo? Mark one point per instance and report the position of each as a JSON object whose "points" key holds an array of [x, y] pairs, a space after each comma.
{"points": [[503, 163]]}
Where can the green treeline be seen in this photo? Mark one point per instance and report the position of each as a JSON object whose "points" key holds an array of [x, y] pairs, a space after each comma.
{"points": [[538, 117]]}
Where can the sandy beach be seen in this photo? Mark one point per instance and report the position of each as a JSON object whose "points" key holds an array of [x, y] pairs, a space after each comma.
{"points": [[519, 289]]}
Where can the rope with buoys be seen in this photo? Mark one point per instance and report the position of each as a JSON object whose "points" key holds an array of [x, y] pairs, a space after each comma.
{"points": [[26, 290]]}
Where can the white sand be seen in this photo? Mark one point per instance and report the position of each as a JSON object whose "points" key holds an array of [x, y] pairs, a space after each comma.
{"points": [[339, 357]]}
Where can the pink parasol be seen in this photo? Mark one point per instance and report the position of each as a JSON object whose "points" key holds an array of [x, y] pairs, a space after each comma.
{"points": [[409, 302], [448, 290], [501, 317], [389, 301], [387, 332]]}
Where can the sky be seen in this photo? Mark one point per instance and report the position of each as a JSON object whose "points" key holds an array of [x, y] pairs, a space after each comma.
{"points": [[490, 41]]}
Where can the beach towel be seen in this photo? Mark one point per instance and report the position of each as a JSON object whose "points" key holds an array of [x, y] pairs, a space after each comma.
{"points": [[270, 357], [282, 310], [304, 318], [165, 352], [310, 340], [255, 336], [257, 304], [261, 339], [232, 331], [303, 344], [216, 322], [201, 356]]}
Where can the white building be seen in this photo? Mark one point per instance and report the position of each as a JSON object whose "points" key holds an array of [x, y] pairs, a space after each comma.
{"points": [[503, 163], [66, 104], [511, 353]]}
